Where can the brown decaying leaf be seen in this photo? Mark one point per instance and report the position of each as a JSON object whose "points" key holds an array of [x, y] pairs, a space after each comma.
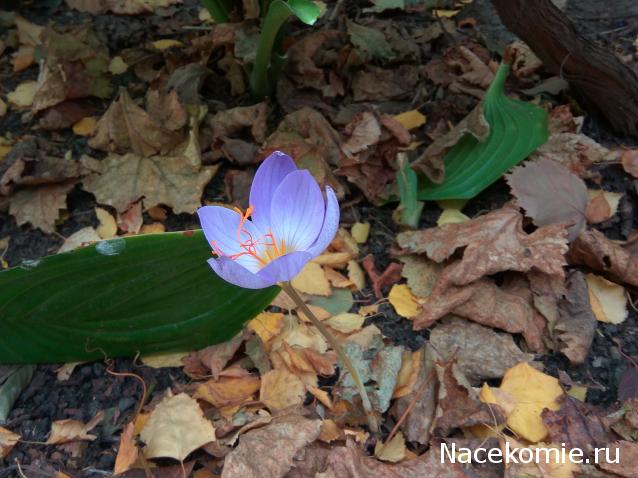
{"points": [[493, 243], [131, 220], [130, 7], [232, 121], [65, 431], [431, 163], [484, 302], [592, 249], [576, 324], [65, 115], [352, 462], [576, 425], [391, 275], [229, 392], [126, 127], [372, 83], [176, 180], [39, 206], [550, 194], [176, 427], [216, 357], [268, 451], [458, 403], [623, 459], [127, 451], [301, 67], [166, 109], [629, 161], [480, 352]]}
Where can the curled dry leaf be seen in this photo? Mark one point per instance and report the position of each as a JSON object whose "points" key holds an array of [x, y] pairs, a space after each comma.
{"points": [[592, 249], [389, 276], [216, 357], [176, 428], [229, 392], [550, 194], [574, 330], [65, 431], [40, 206], [484, 302], [608, 300], [126, 127], [480, 352], [127, 451], [493, 243], [268, 452]]}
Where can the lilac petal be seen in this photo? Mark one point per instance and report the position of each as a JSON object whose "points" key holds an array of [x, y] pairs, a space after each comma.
{"points": [[220, 226], [233, 272], [297, 211], [330, 224], [285, 267], [269, 175]]}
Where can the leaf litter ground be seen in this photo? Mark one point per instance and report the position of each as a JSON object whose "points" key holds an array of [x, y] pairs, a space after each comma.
{"points": [[90, 390]]}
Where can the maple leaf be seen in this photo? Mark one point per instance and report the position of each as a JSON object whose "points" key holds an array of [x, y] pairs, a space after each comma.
{"points": [[176, 180], [40, 206], [127, 127]]}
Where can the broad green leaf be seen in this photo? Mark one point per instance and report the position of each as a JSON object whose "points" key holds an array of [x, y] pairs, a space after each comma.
{"points": [[149, 293], [516, 130], [305, 10], [11, 387]]}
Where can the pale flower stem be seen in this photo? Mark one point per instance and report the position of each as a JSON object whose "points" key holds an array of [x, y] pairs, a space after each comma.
{"points": [[336, 346]]}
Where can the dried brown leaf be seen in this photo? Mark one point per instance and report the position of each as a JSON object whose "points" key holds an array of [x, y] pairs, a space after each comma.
{"points": [[391, 275], [40, 206], [8, 440], [493, 243], [550, 194], [576, 323], [127, 451], [592, 249], [623, 459], [126, 127], [65, 431], [130, 7], [281, 389], [268, 451]]}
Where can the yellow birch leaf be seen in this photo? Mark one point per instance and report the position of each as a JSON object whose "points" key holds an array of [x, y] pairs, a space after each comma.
{"points": [[330, 431], [312, 280], [127, 452], [86, 126], [346, 322], [608, 299], [411, 119], [533, 391], [176, 428], [356, 275], [23, 95], [117, 65], [360, 231], [166, 43], [108, 227], [164, 360], [267, 325], [393, 451], [281, 389], [403, 301]]}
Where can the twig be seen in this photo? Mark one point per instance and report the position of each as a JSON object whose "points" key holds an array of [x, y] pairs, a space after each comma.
{"points": [[336, 346]]}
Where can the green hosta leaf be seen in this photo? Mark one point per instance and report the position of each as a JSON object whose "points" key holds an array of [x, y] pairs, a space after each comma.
{"points": [[516, 130], [409, 211], [152, 293], [305, 10]]}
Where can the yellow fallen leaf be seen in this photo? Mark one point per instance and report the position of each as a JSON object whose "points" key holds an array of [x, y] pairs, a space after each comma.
{"points": [[550, 464], [267, 325], [3, 107], [64, 431], [140, 422], [166, 43], [411, 119], [164, 360], [5, 147], [319, 312], [8, 439], [23, 95], [498, 397], [301, 335], [154, 228], [451, 216], [117, 65], [64, 372], [367, 310], [346, 322], [228, 392], [608, 299], [579, 392], [330, 431], [107, 228], [443, 13], [321, 395], [337, 279], [533, 391], [281, 389], [176, 428], [408, 374], [343, 242], [403, 301], [312, 280], [127, 452], [333, 259], [393, 451], [86, 126], [360, 231], [356, 275]]}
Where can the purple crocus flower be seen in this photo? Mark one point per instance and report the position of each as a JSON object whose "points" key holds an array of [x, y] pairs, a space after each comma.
{"points": [[290, 223]]}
